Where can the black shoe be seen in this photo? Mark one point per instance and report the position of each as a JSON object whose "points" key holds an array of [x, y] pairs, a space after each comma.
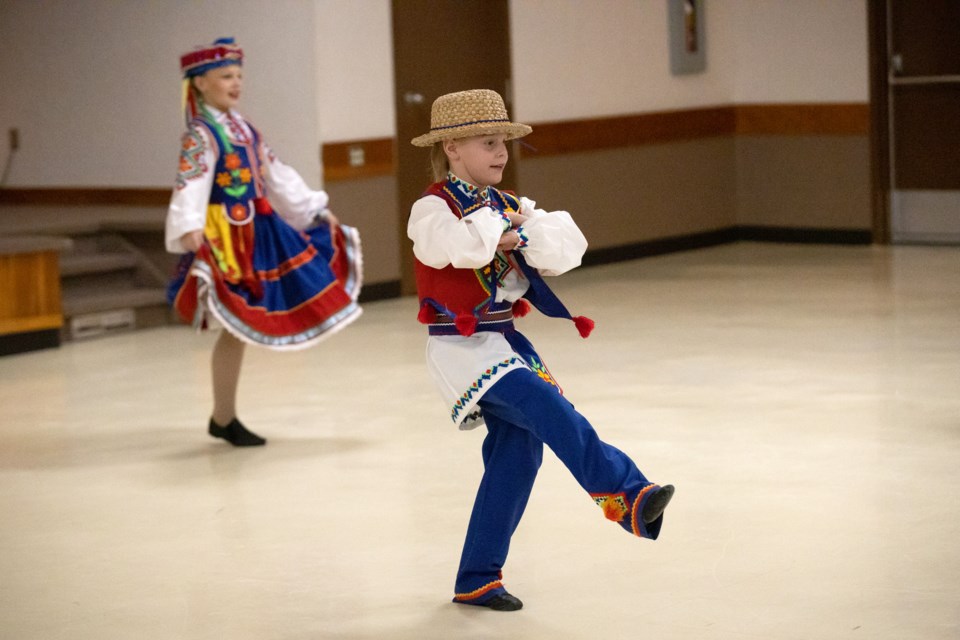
{"points": [[500, 602], [236, 434], [657, 503], [503, 602]]}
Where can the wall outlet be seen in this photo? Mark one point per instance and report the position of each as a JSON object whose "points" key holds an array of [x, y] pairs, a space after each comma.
{"points": [[14, 138], [357, 156]]}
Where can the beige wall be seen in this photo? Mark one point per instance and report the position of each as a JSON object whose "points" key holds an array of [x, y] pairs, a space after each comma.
{"points": [[354, 69], [93, 87], [98, 80], [624, 196], [803, 181], [575, 59], [370, 205]]}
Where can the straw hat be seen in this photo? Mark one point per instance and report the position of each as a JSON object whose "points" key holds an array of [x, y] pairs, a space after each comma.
{"points": [[469, 113]]}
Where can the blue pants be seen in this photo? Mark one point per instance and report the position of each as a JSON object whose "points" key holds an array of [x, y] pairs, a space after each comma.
{"points": [[523, 411]]}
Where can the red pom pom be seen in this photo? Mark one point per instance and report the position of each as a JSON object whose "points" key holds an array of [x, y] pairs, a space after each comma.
{"points": [[427, 315], [466, 324], [520, 308], [584, 325]]}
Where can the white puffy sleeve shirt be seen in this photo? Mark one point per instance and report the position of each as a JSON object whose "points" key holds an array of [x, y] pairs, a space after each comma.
{"points": [[290, 196], [552, 243]]}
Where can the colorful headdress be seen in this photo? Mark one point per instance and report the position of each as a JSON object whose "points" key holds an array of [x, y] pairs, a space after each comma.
{"points": [[476, 112], [223, 52]]}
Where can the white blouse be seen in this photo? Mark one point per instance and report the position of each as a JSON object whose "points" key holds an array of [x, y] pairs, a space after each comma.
{"points": [[554, 245], [290, 196]]}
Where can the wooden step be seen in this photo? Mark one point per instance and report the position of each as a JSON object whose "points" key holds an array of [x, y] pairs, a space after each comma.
{"points": [[97, 314], [75, 304], [91, 263]]}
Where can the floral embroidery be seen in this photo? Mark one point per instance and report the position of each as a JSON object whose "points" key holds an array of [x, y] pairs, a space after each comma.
{"points": [[614, 506], [541, 370], [236, 180], [238, 212], [192, 165], [231, 161]]}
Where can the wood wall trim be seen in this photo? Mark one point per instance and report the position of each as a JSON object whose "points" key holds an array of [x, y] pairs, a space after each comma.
{"points": [[591, 134], [85, 196], [377, 159], [803, 119], [556, 138], [574, 136]]}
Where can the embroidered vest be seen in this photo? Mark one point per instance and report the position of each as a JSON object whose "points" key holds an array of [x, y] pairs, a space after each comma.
{"points": [[237, 195], [467, 297], [237, 180]]}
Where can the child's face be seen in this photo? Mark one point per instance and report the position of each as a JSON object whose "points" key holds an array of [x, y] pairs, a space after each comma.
{"points": [[479, 160], [220, 87]]}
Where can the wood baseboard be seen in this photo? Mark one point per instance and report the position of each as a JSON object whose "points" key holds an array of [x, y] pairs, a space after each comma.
{"points": [[14, 343], [380, 291], [86, 196], [661, 246], [804, 235], [727, 235]]}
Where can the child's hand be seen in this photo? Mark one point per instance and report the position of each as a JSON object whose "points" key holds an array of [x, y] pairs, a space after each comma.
{"points": [[508, 241], [192, 240], [516, 219]]}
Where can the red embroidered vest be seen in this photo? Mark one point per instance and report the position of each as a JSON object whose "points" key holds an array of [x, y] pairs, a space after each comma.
{"points": [[465, 296]]}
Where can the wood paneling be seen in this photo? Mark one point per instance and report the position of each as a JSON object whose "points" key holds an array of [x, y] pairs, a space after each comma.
{"points": [[29, 292], [83, 196], [573, 136], [803, 119], [676, 126], [378, 159]]}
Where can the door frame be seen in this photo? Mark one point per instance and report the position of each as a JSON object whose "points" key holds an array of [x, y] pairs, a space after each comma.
{"points": [[448, 65], [879, 38]]}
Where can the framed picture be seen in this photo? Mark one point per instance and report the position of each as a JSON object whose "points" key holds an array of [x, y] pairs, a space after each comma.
{"points": [[687, 51]]}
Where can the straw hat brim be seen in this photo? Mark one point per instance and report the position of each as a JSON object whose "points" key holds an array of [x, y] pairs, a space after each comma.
{"points": [[513, 130]]}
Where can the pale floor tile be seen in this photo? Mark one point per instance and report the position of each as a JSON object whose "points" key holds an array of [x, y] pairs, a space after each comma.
{"points": [[804, 400]]}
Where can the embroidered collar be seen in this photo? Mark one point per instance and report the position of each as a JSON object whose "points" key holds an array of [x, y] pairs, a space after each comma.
{"points": [[469, 190]]}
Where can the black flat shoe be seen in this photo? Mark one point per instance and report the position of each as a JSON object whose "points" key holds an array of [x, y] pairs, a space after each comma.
{"points": [[657, 503], [499, 602], [236, 434], [504, 602]]}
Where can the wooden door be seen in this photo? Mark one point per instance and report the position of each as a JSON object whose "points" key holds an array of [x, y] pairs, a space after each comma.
{"points": [[441, 46], [924, 120]]}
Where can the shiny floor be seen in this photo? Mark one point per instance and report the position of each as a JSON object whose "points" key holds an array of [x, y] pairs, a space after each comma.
{"points": [[804, 400]]}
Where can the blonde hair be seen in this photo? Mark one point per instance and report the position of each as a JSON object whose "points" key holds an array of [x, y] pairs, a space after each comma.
{"points": [[439, 164]]}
